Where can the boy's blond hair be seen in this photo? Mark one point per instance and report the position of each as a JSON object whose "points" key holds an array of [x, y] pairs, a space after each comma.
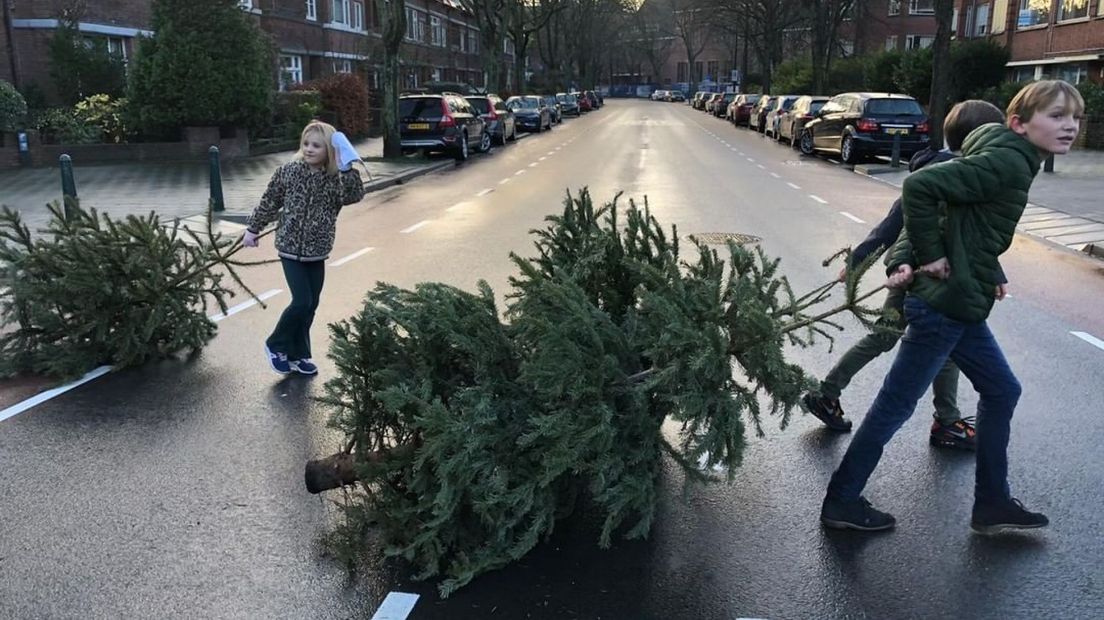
{"points": [[1038, 95], [966, 117], [325, 132]]}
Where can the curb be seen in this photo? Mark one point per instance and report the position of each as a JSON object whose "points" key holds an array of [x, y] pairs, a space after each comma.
{"points": [[403, 177], [876, 169]]}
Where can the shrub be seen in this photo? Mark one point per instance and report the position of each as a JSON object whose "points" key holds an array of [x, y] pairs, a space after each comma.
{"points": [[976, 66], [1001, 94], [345, 96], [846, 74], [207, 64], [105, 113], [913, 74], [80, 67], [13, 108], [793, 76], [1094, 100], [63, 126]]}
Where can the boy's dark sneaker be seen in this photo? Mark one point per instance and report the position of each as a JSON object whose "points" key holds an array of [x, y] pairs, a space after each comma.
{"points": [[827, 410], [304, 366], [959, 434], [856, 514], [1009, 514], [278, 361]]}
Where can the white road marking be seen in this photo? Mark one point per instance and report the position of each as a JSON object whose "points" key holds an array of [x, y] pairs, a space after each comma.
{"points": [[775, 175], [533, 165], [543, 158], [232, 310], [751, 160], [38, 399], [519, 172], [485, 192], [458, 206], [833, 161], [734, 150], [551, 153], [411, 229], [504, 181], [851, 217], [818, 199], [1089, 338], [741, 153], [397, 606], [792, 185], [761, 166]]}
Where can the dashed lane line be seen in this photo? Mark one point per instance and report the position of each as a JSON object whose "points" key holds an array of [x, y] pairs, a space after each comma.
{"points": [[519, 172], [38, 399], [1089, 338], [751, 160], [775, 175], [484, 192], [410, 229], [543, 158], [792, 185], [533, 165], [761, 166], [504, 181], [232, 310], [458, 206], [851, 217], [351, 257], [818, 199]]}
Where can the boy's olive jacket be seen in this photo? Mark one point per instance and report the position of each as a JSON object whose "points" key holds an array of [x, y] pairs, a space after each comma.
{"points": [[966, 210]]}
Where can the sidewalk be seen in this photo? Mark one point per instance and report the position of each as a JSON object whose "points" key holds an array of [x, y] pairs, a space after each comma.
{"points": [[1064, 206], [175, 190]]}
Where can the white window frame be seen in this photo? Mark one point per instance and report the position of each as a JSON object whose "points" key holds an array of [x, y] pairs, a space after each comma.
{"points": [[473, 42], [1062, 11], [411, 23], [916, 41], [463, 38], [981, 21], [339, 12], [437, 35], [342, 65], [358, 15], [894, 7], [312, 10], [916, 9], [1032, 14], [891, 42], [292, 66]]}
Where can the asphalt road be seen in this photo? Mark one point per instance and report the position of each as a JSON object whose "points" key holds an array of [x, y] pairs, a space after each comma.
{"points": [[175, 490]]}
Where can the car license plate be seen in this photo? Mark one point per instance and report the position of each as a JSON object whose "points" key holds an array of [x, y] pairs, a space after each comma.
{"points": [[897, 131], [418, 126]]}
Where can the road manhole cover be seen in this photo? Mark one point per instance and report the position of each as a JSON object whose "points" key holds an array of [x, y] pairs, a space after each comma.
{"points": [[724, 238]]}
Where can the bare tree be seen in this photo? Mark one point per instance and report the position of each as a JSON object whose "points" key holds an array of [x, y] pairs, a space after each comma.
{"points": [[393, 29], [650, 37], [694, 21], [763, 24], [524, 18], [941, 70], [491, 17], [826, 15]]}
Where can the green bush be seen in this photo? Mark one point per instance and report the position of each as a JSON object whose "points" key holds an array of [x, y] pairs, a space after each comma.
{"points": [[106, 113], [13, 108], [913, 74], [345, 97], [976, 66], [1094, 100], [793, 76], [1001, 94], [206, 65], [81, 66], [846, 74], [64, 126], [878, 70]]}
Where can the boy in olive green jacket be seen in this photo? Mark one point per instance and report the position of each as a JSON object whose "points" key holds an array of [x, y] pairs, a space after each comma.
{"points": [[959, 217]]}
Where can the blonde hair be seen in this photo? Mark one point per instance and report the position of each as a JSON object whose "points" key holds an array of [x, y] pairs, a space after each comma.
{"points": [[326, 132], [1038, 95]]}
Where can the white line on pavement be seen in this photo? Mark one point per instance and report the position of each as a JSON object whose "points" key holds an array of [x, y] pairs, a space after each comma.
{"points": [[818, 199], [38, 399], [741, 153], [792, 185], [751, 160], [543, 158], [397, 606], [485, 192], [411, 229], [1089, 338], [519, 172], [533, 165], [232, 310], [775, 175], [851, 217], [734, 150], [551, 153], [504, 181], [761, 166], [458, 206]]}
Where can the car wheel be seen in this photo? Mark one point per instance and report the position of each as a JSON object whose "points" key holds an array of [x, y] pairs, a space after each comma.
{"points": [[807, 142], [847, 150], [485, 142], [462, 152]]}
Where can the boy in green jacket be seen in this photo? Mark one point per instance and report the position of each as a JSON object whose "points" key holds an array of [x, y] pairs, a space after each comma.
{"points": [[959, 217]]}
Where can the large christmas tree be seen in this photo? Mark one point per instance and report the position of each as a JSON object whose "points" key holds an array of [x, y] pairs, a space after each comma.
{"points": [[469, 435]]}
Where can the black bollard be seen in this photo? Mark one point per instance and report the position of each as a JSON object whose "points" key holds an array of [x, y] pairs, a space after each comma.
{"points": [[68, 184], [217, 203], [895, 155]]}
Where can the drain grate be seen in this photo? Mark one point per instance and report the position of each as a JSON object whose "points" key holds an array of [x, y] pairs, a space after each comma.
{"points": [[724, 238]]}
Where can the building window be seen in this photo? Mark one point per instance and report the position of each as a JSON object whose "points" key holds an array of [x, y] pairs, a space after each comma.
{"points": [[981, 22], [918, 41], [1033, 13], [462, 35], [508, 46], [894, 7], [1074, 73], [1072, 9], [473, 43], [954, 23], [115, 46], [358, 15], [436, 31], [713, 69], [891, 42], [246, 4], [342, 65], [291, 70], [1023, 74], [312, 10], [681, 72], [415, 25], [340, 13], [921, 7]]}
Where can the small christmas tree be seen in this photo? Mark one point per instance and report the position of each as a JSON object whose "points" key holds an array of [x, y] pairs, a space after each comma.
{"points": [[468, 436]]}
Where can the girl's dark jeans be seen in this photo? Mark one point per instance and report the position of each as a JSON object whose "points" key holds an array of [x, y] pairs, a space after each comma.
{"points": [[930, 338], [292, 333]]}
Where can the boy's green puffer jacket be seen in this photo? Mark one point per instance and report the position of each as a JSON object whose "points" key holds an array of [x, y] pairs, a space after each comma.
{"points": [[966, 209]]}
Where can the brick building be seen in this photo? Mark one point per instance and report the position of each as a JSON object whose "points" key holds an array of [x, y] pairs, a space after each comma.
{"points": [[313, 38], [1047, 38]]}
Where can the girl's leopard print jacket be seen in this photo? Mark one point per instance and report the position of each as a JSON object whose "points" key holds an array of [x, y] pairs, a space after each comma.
{"points": [[307, 203]]}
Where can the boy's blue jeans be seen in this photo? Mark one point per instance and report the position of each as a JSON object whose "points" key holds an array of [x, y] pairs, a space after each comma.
{"points": [[930, 338]]}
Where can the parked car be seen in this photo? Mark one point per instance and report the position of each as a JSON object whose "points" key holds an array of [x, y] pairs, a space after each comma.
{"points": [[530, 112], [720, 106], [500, 121], [595, 100], [793, 121], [780, 106], [739, 111], [553, 105], [569, 104], [712, 102], [860, 125], [699, 99], [758, 117], [660, 95], [445, 122], [675, 95], [584, 102]]}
